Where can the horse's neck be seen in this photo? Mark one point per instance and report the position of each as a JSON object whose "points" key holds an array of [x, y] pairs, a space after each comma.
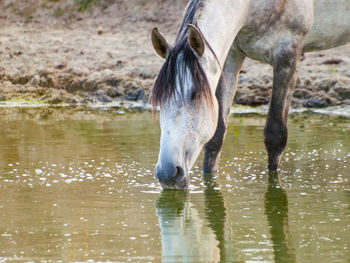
{"points": [[220, 21]]}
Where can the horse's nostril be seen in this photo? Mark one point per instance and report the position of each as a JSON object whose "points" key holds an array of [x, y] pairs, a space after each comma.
{"points": [[169, 174], [179, 171], [179, 174]]}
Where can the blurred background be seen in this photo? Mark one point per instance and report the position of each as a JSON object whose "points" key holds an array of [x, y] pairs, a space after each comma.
{"points": [[88, 51]]}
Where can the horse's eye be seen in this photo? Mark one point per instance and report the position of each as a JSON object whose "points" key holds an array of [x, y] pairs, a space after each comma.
{"points": [[193, 96]]}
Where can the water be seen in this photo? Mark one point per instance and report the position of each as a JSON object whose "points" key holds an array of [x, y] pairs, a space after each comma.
{"points": [[77, 186]]}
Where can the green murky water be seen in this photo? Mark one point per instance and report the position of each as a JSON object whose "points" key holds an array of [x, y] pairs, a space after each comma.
{"points": [[78, 186]]}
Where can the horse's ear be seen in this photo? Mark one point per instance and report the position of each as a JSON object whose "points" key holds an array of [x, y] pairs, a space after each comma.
{"points": [[159, 43], [196, 40]]}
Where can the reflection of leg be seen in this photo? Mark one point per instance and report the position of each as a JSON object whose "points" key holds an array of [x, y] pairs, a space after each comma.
{"points": [[184, 236], [286, 59], [225, 92], [215, 212], [276, 210]]}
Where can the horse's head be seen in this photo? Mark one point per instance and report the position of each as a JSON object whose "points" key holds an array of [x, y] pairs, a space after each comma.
{"points": [[185, 92]]}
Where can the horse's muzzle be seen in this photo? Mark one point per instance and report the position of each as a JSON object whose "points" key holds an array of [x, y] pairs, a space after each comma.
{"points": [[171, 176]]}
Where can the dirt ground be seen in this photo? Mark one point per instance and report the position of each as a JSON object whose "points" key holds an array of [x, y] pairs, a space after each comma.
{"points": [[51, 53]]}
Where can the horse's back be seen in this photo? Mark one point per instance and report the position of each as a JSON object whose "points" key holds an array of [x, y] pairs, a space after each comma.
{"points": [[331, 25]]}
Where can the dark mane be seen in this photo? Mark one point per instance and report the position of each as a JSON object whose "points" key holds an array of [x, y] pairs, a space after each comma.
{"points": [[182, 59]]}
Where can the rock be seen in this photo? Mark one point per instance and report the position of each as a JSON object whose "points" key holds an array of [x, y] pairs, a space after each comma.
{"points": [[330, 101], [326, 85], [333, 95], [102, 97], [44, 72], [242, 79], [18, 53], [112, 81], [100, 30], [87, 100], [297, 103], [74, 85], [61, 66], [50, 82], [242, 91], [266, 79], [136, 95], [307, 82], [79, 71], [55, 100], [256, 87], [90, 85], [342, 92], [114, 92], [21, 89], [315, 103], [7, 84], [95, 75], [130, 86], [263, 92], [35, 81], [333, 61], [43, 81], [21, 79], [252, 100], [106, 72], [302, 94], [101, 74]]}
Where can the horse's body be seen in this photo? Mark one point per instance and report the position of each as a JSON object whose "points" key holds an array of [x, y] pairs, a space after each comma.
{"points": [[217, 35], [331, 25]]}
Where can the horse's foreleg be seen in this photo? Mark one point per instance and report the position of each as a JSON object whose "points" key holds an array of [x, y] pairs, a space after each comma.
{"points": [[286, 58], [225, 92]]}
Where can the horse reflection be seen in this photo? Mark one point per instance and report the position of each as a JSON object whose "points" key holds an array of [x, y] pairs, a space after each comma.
{"points": [[215, 211], [276, 210], [186, 237]]}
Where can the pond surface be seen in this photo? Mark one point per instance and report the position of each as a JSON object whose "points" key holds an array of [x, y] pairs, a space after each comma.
{"points": [[77, 186]]}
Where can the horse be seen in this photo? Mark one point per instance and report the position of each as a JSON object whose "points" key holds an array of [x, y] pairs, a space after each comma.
{"points": [[196, 85]]}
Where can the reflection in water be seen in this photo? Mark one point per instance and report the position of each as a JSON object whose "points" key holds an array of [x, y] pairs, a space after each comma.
{"points": [[276, 210], [185, 236], [215, 212], [76, 185]]}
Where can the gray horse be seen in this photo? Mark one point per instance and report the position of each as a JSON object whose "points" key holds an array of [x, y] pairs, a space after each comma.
{"points": [[197, 82]]}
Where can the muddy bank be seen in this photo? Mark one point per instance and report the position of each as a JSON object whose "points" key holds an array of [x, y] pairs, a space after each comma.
{"points": [[51, 53], [323, 80]]}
